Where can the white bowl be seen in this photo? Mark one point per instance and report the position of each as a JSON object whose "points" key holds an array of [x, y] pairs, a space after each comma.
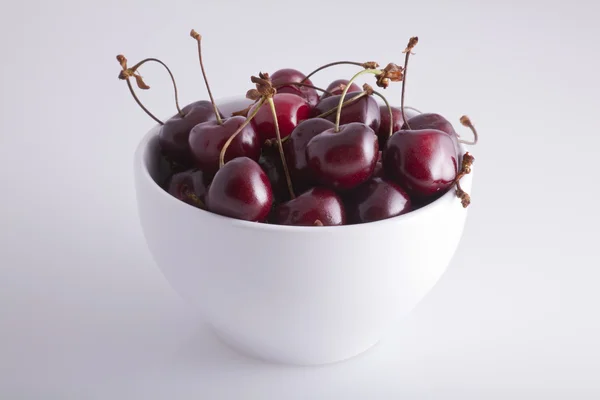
{"points": [[295, 295]]}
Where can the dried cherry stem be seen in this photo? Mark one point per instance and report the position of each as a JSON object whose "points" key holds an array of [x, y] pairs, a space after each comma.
{"points": [[340, 104], [304, 85], [280, 145], [242, 126], [127, 73], [466, 121], [389, 111], [408, 51], [346, 103], [467, 162], [365, 65], [198, 38]]}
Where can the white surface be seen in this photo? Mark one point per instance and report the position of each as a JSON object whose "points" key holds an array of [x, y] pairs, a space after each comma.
{"points": [[294, 295], [85, 314]]}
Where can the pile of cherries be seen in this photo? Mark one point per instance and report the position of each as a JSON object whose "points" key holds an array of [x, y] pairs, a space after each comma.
{"points": [[301, 155]]}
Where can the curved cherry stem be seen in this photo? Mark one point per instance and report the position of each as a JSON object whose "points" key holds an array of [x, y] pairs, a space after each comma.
{"points": [[408, 51], [466, 121], [137, 100], [346, 103], [136, 66], [280, 145], [198, 38], [304, 85], [233, 136], [339, 108], [333, 64], [465, 169], [389, 111]]}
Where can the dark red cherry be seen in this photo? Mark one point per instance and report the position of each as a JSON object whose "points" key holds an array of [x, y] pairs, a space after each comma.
{"points": [[241, 190], [397, 122], [423, 162], [295, 150], [207, 139], [291, 110], [433, 121], [337, 87], [379, 172], [189, 186], [174, 134], [345, 159], [365, 110], [317, 206], [270, 162], [290, 75], [374, 200]]}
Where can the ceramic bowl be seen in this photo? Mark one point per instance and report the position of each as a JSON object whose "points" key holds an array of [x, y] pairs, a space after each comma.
{"points": [[294, 295]]}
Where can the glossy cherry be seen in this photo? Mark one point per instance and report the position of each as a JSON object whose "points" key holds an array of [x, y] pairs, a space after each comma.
{"points": [[189, 186], [290, 75], [337, 87], [317, 206], [397, 121], [207, 139], [375, 200], [423, 162], [291, 110], [432, 121], [365, 110], [295, 150], [379, 171], [345, 159], [241, 189], [174, 134]]}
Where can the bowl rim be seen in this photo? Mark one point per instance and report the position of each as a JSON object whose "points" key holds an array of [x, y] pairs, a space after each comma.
{"points": [[139, 163]]}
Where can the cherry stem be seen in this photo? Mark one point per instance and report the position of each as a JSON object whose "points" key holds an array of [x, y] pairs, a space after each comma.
{"points": [[411, 44], [242, 126], [466, 121], [467, 162], [136, 66], [389, 111], [339, 108], [198, 38], [305, 85], [331, 65], [195, 199], [137, 100], [346, 103], [280, 145]]}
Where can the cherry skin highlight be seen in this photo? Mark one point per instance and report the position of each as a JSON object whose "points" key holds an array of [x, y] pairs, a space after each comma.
{"points": [[317, 206], [365, 110], [345, 159], [207, 139], [291, 110], [241, 190], [423, 162]]}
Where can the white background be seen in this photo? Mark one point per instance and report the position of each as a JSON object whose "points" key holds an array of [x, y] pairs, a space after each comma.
{"points": [[85, 313]]}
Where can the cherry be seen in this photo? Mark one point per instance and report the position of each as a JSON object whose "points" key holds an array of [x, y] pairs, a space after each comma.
{"points": [[423, 162], [241, 190], [365, 110], [379, 171], [173, 137], [291, 110], [317, 206], [429, 121], [337, 87], [375, 200], [189, 186], [343, 159], [396, 119], [289, 75], [206, 141], [295, 150]]}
